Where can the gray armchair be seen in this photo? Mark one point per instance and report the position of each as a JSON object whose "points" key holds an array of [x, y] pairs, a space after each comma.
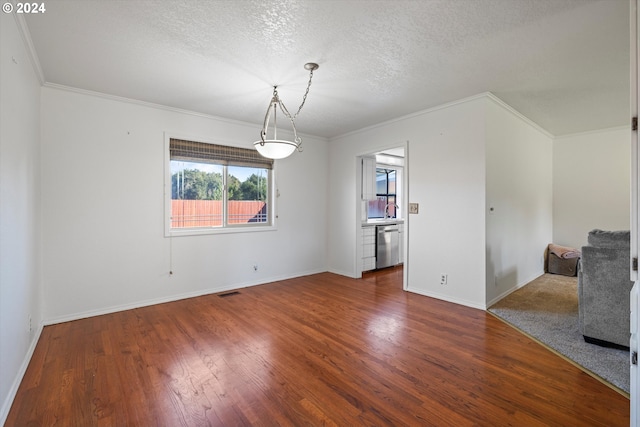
{"points": [[603, 288]]}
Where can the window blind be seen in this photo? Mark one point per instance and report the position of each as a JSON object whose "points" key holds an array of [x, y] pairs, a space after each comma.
{"points": [[180, 149]]}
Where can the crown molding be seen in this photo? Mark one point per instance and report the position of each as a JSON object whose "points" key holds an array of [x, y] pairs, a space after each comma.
{"points": [[518, 114], [593, 132], [132, 101], [484, 95], [411, 115], [28, 43]]}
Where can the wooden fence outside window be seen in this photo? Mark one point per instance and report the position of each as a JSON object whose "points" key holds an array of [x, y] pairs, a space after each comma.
{"points": [[208, 213]]}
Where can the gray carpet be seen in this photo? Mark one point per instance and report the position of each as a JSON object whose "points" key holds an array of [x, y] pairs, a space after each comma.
{"points": [[547, 310]]}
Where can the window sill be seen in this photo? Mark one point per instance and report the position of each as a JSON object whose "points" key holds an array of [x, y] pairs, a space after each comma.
{"points": [[218, 230]]}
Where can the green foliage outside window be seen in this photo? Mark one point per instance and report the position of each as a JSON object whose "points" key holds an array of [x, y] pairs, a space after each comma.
{"points": [[193, 184]]}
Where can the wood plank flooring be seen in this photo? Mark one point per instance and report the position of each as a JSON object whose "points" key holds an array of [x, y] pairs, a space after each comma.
{"points": [[316, 350]]}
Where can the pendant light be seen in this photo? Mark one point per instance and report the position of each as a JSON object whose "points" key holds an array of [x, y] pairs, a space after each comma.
{"points": [[275, 148]]}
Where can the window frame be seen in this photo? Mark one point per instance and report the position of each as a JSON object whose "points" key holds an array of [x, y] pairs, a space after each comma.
{"points": [[270, 225], [386, 195]]}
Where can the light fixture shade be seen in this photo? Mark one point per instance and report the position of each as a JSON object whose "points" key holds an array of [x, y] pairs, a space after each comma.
{"points": [[275, 148]]}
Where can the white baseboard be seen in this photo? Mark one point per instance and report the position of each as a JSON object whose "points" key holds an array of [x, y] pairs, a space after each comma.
{"points": [[448, 298], [344, 273], [171, 298], [6, 405], [513, 289]]}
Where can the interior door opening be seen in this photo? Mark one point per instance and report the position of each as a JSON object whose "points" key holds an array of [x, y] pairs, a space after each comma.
{"points": [[383, 204]]}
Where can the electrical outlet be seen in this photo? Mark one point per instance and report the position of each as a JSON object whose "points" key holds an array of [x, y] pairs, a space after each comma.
{"points": [[30, 325], [443, 279]]}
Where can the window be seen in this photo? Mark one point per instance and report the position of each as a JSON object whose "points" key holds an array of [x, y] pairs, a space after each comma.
{"points": [[385, 194], [217, 188]]}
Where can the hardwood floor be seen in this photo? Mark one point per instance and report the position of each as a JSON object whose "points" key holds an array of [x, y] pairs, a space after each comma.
{"points": [[315, 350]]}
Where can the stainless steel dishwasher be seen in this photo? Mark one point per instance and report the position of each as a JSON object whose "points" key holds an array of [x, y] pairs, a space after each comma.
{"points": [[387, 246]]}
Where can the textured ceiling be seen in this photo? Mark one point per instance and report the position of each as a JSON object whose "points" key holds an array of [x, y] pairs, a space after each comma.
{"points": [[562, 63]]}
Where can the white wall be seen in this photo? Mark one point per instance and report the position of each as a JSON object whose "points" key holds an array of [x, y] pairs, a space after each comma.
{"points": [[519, 189], [445, 171], [103, 242], [591, 184], [20, 280]]}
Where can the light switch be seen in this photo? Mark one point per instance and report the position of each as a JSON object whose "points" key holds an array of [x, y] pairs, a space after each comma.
{"points": [[413, 208]]}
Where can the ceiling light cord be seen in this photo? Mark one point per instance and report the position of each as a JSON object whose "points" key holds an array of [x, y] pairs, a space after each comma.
{"points": [[304, 97]]}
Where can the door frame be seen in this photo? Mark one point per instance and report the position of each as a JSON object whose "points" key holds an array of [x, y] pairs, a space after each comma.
{"points": [[404, 207]]}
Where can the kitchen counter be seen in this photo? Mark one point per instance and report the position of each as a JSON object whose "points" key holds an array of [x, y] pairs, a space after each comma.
{"points": [[382, 221]]}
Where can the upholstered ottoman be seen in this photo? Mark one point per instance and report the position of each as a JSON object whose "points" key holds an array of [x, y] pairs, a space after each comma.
{"points": [[565, 267], [562, 260]]}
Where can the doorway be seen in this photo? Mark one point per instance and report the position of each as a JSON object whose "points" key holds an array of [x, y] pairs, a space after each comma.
{"points": [[383, 188]]}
